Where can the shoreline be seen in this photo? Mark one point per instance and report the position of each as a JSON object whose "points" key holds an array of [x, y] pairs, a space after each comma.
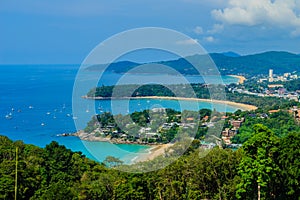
{"points": [[231, 103], [241, 78], [154, 150], [90, 137]]}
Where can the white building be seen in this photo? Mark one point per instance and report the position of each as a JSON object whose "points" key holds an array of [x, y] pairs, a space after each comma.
{"points": [[271, 79]]}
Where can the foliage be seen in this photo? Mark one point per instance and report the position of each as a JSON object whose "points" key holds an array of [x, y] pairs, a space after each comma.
{"points": [[281, 123], [55, 172], [258, 169], [293, 85]]}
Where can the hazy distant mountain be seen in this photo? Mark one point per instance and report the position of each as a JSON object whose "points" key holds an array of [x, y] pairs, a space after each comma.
{"points": [[231, 54], [122, 66], [227, 63], [280, 62]]}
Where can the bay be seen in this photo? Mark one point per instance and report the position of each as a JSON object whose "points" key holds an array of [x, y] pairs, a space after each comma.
{"points": [[38, 99]]}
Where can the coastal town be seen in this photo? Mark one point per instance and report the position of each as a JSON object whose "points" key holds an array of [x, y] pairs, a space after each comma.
{"points": [[269, 86]]}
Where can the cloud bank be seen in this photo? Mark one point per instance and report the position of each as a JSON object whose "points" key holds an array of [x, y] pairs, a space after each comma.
{"points": [[274, 13]]}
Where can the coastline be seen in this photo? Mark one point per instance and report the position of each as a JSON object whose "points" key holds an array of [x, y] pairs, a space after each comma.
{"points": [[92, 138], [241, 78], [231, 103], [154, 151]]}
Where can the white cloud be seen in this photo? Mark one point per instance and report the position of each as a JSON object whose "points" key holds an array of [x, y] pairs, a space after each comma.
{"points": [[198, 30], [209, 39], [217, 28], [275, 13], [187, 42]]}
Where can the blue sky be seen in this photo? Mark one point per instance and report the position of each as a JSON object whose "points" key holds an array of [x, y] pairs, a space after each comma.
{"points": [[60, 31]]}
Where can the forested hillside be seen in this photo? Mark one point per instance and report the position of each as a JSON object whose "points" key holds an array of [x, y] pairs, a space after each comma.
{"points": [[265, 161]]}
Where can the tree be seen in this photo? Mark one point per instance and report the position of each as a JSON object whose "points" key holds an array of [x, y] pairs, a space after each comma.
{"points": [[111, 161], [289, 162], [258, 169]]}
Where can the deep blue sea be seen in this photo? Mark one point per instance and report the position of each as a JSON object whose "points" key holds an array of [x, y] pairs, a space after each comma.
{"points": [[36, 106]]}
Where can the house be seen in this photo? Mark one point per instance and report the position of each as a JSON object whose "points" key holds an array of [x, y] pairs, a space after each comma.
{"points": [[273, 111], [224, 117], [205, 118], [190, 119], [158, 110], [229, 132], [296, 112], [236, 123]]}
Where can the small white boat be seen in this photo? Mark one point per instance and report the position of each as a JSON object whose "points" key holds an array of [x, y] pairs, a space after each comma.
{"points": [[48, 113], [8, 116], [30, 107], [42, 124]]}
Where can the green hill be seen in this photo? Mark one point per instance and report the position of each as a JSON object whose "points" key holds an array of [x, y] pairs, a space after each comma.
{"points": [[248, 65]]}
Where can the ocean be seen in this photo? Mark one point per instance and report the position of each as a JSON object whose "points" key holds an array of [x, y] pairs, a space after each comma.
{"points": [[36, 106]]}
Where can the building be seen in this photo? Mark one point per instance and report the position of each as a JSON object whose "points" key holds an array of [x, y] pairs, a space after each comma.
{"points": [[286, 75], [237, 123], [271, 79], [275, 86]]}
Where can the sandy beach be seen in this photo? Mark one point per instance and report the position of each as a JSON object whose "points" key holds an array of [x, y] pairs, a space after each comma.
{"points": [[155, 151], [241, 78], [239, 105]]}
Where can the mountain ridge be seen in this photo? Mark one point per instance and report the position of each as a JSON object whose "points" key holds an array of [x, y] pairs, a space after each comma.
{"points": [[247, 65]]}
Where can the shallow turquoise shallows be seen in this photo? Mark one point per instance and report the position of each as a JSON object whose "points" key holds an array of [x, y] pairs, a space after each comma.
{"points": [[38, 101]]}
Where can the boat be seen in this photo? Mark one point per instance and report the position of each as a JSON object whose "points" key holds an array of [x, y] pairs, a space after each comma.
{"points": [[30, 107], [8, 116], [48, 113]]}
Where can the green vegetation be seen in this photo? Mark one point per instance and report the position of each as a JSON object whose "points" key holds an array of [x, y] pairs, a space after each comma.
{"points": [[201, 91], [263, 103], [293, 85], [266, 165], [281, 124]]}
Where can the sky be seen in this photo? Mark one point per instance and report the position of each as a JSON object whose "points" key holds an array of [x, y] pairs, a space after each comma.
{"points": [[61, 31]]}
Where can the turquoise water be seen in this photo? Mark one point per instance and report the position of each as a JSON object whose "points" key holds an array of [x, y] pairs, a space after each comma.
{"points": [[39, 100]]}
